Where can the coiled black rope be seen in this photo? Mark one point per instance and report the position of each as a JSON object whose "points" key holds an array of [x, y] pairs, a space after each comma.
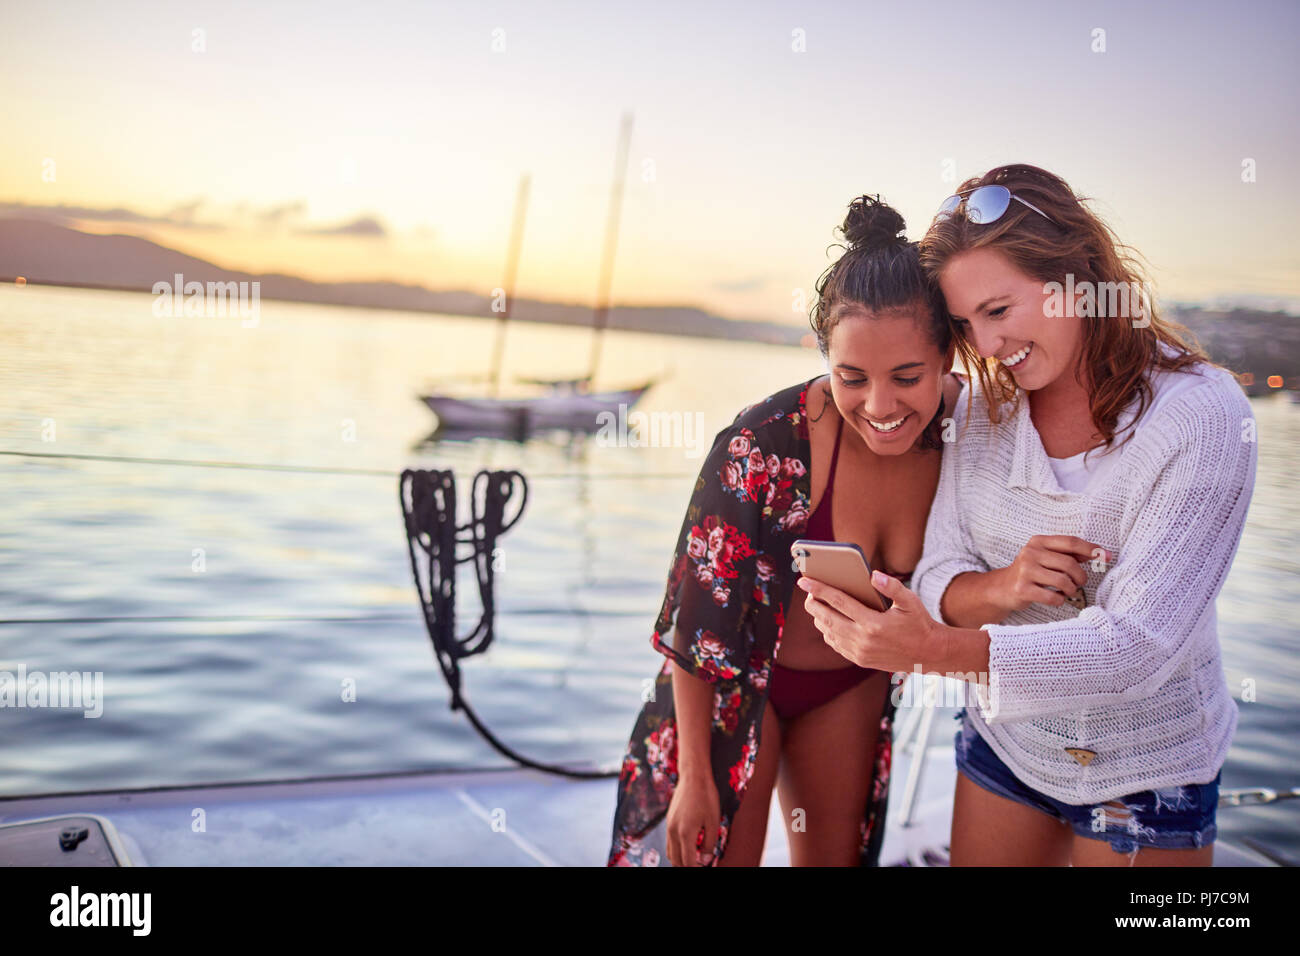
{"points": [[428, 500]]}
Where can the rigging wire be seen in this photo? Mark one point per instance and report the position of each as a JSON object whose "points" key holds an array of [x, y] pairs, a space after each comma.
{"points": [[323, 469], [432, 497], [482, 542], [292, 618]]}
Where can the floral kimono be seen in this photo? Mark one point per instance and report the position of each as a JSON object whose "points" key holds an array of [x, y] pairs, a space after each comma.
{"points": [[729, 585]]}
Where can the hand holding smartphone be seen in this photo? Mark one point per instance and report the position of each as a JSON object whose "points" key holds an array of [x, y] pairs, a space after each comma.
{"points": [[841, 565]]}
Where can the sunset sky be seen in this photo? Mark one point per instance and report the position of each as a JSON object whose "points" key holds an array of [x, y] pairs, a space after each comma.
{"points": [[386, 139]]}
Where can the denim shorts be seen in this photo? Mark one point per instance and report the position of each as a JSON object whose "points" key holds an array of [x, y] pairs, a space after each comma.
{"points": [[1169, 818]]}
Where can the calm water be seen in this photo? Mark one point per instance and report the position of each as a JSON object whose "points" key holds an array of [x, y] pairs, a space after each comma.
{"points": [[204, 701]]}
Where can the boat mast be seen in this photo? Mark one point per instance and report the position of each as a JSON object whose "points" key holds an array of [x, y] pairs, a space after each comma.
{"points": [[611, 241], [512, 267]]}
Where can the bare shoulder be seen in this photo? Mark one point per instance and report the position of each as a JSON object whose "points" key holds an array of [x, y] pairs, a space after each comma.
{"points": [[820, 403]]}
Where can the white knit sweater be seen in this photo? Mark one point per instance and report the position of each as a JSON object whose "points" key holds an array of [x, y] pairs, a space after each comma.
{"points": [[1136, 675]]}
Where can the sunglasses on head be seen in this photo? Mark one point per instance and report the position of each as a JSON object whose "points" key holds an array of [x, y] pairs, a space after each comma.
{"points": [[986, 204]]}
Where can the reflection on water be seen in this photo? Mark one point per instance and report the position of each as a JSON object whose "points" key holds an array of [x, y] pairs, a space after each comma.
{"points": [[581, 574]]}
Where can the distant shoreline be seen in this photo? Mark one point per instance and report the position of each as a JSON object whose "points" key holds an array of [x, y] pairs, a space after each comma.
{"points": [[53, 255], [1261, 343], [788, 336]]}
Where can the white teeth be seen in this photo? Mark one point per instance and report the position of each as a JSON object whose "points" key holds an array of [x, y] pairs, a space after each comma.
{"points": [[881, 427], [1018, 357]]}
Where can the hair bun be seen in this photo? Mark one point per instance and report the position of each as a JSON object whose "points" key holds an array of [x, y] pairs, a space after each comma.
{"points": [[871, 224]]}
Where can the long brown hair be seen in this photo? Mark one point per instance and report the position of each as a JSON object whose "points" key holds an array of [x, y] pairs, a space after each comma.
{"points": [[1116, 353]]}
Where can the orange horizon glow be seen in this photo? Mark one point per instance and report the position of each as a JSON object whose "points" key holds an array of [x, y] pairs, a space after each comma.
{"points": [[387, 146]]}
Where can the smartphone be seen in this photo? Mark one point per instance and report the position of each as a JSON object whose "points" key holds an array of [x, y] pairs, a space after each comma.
{"points": [[841, 565]]}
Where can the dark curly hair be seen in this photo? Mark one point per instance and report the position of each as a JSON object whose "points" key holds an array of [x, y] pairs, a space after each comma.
{"points": [[880, 272]]}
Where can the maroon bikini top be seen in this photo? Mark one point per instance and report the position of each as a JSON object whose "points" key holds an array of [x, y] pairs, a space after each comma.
{"points": [[819, 522]]}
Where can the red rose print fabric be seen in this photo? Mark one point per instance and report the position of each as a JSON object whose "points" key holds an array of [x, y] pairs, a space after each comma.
{"points": [[729, 584]]}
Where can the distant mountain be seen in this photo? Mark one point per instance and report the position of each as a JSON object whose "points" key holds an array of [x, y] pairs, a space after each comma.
{"points": [[1245, 340], [49, 254]]}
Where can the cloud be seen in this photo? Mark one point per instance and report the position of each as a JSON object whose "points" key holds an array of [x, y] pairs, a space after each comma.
{"points": [[64, 215], [185, 216], [367, 226], [752, 284], [275, 215]]}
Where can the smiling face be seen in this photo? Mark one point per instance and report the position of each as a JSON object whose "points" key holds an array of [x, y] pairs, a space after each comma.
{"points": [[1003, 313], [886, 376]]}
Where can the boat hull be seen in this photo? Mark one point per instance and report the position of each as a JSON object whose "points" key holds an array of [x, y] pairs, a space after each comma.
{"points": [[569, 411]]}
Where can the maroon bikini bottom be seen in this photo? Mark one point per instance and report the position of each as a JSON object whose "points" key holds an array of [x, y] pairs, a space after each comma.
{"points": [[794, 692]]}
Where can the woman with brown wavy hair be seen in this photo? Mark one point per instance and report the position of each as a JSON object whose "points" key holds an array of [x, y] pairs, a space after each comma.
{"points": [[1086, 517]]}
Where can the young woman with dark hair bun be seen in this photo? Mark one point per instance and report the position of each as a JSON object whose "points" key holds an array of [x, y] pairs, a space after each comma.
{"points": [[750, 695]]}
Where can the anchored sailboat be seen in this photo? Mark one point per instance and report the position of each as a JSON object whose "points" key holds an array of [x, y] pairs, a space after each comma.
{"points": [[570, 404]]}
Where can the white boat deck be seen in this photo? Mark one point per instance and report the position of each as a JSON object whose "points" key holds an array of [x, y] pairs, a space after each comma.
{"points": [[508, 817]]}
